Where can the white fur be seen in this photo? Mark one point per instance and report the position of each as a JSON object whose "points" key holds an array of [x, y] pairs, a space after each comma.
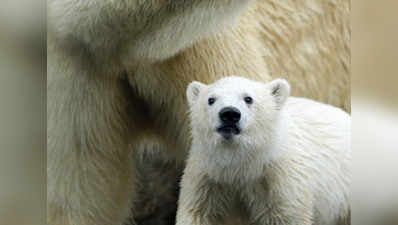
{"points": [[289, 164], [97, 116], [138, 30]]}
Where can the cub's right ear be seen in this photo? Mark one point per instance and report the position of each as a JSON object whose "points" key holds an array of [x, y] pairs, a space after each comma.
{"points": [[193, 91]]}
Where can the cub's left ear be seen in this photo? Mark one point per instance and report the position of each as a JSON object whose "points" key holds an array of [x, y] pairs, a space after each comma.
{"points": [[193, 91], [280, 90]]}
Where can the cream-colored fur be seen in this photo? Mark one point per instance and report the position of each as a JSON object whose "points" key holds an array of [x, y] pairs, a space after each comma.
{"points": [[118, 70], [288, 165]]}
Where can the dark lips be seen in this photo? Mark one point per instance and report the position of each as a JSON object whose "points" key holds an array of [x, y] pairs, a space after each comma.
{"points": [[227, 131]]}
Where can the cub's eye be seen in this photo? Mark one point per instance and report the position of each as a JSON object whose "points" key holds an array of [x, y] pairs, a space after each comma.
{"points": [[211, 101], [248, 100]]}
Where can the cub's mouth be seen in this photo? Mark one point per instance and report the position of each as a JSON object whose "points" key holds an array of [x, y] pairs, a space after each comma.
{"points": [[228, 130]]}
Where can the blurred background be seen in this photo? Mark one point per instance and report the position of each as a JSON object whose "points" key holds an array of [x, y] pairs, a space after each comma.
{"points": [[374, 112], [23, 112]]}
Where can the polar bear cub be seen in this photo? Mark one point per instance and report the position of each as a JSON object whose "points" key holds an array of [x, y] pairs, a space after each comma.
{"points": [[259, 156]]}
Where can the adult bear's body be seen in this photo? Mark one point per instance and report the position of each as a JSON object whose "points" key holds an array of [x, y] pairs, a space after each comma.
{"points": [[96, 118]]}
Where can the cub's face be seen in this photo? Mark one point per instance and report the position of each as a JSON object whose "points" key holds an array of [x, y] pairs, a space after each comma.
{"points": [[235, 109]]}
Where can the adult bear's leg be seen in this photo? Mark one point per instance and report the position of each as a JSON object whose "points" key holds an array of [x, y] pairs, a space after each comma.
{"points": [[89, 167]]}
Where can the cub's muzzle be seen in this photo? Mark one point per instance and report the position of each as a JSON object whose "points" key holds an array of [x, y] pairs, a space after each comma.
{"points": [[229, 117]]}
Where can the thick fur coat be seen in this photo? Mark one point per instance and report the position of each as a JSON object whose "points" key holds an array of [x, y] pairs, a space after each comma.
{"points": [[289, 164], [117, 73]]}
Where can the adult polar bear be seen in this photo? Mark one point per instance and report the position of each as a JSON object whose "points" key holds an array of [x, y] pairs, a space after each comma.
{"points": [[118, 70]]}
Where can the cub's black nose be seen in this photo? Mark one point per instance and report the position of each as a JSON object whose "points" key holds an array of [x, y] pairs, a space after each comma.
{"points": [[229, 115]]}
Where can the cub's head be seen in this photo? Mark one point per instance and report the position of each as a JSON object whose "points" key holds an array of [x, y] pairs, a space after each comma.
{"points": [[236, 110]]}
